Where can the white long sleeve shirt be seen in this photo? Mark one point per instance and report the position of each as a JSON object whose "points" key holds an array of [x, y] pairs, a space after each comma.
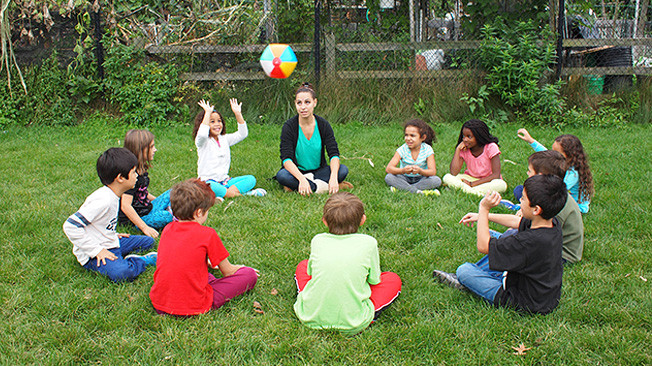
{"points": [[214, 159], [92, 227]]}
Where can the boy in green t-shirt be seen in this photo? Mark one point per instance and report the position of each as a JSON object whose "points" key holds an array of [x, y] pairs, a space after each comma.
{"points": [[341, 286]]}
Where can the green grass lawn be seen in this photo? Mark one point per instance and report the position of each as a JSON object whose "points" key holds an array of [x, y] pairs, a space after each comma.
{"points": [[55, 312]]}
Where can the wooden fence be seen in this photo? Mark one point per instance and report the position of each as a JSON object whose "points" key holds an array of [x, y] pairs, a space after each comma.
{"points": [[578, 48]]}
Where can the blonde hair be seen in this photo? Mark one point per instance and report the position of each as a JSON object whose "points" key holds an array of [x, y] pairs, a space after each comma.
{"points": [[343, 213], [138, 141]]}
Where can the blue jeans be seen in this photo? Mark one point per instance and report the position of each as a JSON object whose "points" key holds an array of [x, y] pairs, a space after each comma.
{"points": [[288, 180], [122, 269], [159, 216], [243, 183], [518, 192], [481, 280]]}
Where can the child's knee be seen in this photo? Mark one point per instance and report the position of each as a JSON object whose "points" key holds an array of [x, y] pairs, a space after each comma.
{"points": [[464, 272], [249, 276]]}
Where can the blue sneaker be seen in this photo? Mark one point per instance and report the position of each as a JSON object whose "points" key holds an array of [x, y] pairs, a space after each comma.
{"points": [[510, 205], [149, 258]]}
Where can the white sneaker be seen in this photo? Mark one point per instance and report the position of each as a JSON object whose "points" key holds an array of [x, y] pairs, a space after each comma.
{"points": [[322, 187], [258, 192]]}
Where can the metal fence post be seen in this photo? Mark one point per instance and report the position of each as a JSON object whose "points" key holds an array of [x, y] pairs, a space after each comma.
{"points": [[561, 23], [316, 45], [99, 47]]}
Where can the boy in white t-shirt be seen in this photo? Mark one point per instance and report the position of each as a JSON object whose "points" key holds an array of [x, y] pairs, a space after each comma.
{"points": [[91, 229]]}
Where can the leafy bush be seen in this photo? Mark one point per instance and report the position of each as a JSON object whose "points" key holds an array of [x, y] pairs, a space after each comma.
{"points": [[144, 91], [47, 101], [516, 60]]}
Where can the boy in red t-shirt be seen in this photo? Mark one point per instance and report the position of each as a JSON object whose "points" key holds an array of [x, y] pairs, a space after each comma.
{"points": [[182, 283]]}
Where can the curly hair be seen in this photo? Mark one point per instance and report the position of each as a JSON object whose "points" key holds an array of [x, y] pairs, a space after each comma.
{"points": [[480, 131], [424, 129], [199, 118], [576, 158]]}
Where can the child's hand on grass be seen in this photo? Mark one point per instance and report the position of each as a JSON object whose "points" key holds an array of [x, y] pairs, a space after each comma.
{"points": [[469, 219], [490, 200], [524, 135], [151, 232], [103, 255]]}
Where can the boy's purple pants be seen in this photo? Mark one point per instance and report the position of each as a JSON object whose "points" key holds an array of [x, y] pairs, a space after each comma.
{"points": [[226, 288]]}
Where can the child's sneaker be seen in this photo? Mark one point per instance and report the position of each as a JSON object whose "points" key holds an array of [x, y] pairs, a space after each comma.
{"points": [[345, 185], [431, 192], [149, 258], [449, 279], [258, 192], [510, 205], [392, 189]]}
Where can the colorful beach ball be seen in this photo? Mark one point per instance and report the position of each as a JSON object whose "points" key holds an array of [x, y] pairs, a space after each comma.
{"points": [[278, 61]]}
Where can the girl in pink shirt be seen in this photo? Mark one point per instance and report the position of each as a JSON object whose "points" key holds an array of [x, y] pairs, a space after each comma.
{"points": [[479, 150]]}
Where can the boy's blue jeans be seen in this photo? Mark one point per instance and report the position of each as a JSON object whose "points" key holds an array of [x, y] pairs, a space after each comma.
{"points": [[481, 280], [123, 269]]}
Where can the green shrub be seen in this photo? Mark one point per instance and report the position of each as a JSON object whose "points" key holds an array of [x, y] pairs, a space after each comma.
{"points": [[144, 91], [516, 60]]}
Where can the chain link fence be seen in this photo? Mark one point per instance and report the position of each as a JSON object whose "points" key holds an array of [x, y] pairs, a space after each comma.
{"points": [[345, 39]]}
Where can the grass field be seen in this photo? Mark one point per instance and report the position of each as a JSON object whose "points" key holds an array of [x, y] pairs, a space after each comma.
{"points": [[55, 312]]}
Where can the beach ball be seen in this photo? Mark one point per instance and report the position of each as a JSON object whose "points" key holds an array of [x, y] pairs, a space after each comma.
{"points": [[278, 61]]}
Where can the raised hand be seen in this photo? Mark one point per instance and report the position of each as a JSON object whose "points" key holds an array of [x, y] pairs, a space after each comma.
{"points": [[524, 135], [206, 106], [235, 106]]}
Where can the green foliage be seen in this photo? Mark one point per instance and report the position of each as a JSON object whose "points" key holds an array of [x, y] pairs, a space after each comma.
{"points": [[516, 60], [479, 13], [143, 90]]}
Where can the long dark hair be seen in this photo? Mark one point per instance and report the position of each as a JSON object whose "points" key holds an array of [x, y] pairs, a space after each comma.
{"points": [[576, 158], [480, 131], [424, 129]]}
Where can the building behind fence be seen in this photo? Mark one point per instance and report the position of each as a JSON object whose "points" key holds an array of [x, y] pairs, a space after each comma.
{"points": [[414, 39]]}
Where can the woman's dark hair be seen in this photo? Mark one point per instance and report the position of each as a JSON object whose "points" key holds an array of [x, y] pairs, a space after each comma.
{"points": [[480, 131], [577, 159], [306, 88], [424, 129], [199, 118]]}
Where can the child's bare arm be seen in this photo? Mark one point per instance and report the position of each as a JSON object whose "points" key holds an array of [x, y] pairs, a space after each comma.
{"points": [[457, 162], [132, 215], [392, 167], [432, 168], [490, 200], [511, 221], [227, 268], [237, 110], [208, 109]]}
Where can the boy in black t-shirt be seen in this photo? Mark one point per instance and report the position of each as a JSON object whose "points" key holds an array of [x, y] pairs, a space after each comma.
{"points": [[523, 271]]}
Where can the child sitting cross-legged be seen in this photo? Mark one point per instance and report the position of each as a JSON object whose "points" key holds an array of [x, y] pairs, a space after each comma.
{"points": [[91, 229], [524, 270], [182, 283], [341, 286], [570, 217]]}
